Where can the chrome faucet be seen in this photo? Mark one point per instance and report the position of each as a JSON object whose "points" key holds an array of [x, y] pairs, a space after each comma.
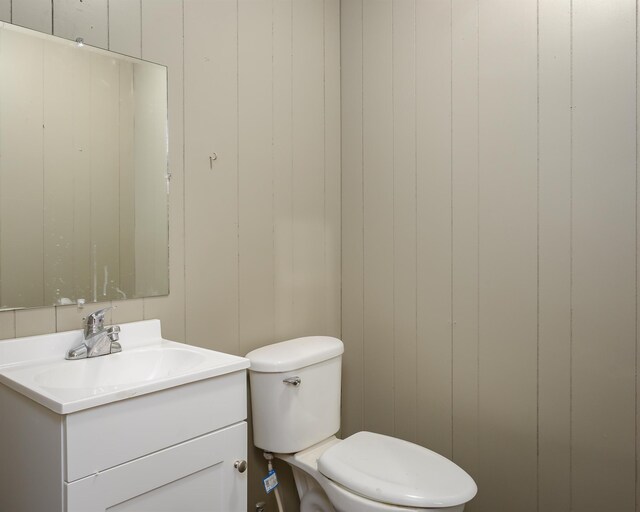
{"points": [[98, 340]]}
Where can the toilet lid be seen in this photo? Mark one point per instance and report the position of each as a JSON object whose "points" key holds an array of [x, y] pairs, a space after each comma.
{"points": [[389, 470]]}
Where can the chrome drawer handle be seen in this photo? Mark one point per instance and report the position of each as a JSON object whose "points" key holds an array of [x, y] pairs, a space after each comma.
{"points": [[294, 381], [240, 465]]}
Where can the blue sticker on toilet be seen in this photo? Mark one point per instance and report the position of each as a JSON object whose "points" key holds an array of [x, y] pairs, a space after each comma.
{"points": [[270, 481]]}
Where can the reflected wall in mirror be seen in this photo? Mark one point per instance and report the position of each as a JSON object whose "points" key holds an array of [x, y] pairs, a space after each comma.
{"points": [[83, 173]]}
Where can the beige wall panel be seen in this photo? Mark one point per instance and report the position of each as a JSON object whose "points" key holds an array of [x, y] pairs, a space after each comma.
{"points": [[464, 194], [255, 175], [87, 19], [31, 322], [21, 180], [352, 216], [332, 196], [604, 255], [283, 169], [129, 311], [211, 68], [59, 149], [637, 273], [404, 218], [162, 42], [104, 192], [554, 252], [433, 190], [125, 27], [378, 216], [34, 14], [507, 261], [308, 168], [5, 10], [7, 324]]}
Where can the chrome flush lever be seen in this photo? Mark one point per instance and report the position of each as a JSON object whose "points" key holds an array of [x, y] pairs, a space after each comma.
{"points": [[294, 381]]}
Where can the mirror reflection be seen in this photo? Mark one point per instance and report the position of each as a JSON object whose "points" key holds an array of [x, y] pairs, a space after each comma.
{"points": [[83, 173]]}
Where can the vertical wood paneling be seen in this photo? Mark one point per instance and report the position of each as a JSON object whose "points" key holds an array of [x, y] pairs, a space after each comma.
{"points": [[538, 425], [433, 192], [7, 324], [5, 10], [604, 255], [554, 256], [404, 218], [127, 311], [87, 19], [211, 212], [33, 14], [507, 255], [351, 53], [255, 174], [30, 322], [283, 168], [162, 42], [308, 167], [464, 182], [378, 215], [125, 27], [332, 207]]}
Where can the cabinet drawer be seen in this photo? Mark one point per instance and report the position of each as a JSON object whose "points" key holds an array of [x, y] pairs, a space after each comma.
{"points": [[109, 435], [195, 476]]}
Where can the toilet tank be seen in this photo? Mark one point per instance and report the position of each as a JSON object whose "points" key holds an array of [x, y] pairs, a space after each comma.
{"points": [[287, 417]]}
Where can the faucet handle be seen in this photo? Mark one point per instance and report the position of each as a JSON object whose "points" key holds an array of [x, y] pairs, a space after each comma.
{"points": [[94, 322]]}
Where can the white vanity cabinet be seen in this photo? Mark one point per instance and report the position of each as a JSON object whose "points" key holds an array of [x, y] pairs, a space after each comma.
{"points": [[178, 448], [173, 450]]}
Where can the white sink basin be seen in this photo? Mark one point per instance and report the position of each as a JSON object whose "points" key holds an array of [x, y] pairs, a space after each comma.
{"points": [[36, 367], [122, 369]]}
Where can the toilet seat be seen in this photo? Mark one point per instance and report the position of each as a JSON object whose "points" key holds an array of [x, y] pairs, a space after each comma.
{"points": [[390, 470]]}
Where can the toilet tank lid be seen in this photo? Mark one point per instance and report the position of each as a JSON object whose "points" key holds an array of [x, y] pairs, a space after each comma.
{"points": [[294, 354]]}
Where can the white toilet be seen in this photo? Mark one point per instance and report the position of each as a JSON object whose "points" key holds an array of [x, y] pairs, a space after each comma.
{"points": [[295, 400]]}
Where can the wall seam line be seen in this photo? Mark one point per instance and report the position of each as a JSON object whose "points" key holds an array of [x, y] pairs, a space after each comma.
{"points": [[636, 271], [238, 337], [571, 256], [184, 174], [393, 215], [451, 259], [538, 256], [273, 182], [478, 172], [362, 172], [324, 161], [291, 177]]}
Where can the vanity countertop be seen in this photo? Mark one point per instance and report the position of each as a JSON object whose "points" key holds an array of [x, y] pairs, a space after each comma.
{"points": [[36, 367]]}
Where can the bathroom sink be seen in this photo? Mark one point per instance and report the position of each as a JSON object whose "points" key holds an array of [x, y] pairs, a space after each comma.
{"points": [[103, 373], [36, 367]]}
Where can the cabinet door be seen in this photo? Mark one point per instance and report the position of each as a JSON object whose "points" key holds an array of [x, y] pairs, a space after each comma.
{"points": [[195, 476]]}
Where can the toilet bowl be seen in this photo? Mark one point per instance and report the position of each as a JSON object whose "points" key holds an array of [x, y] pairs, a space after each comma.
{"points": [[295, 400]]}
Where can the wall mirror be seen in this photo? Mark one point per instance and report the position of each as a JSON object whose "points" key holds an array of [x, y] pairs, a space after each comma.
{"points": [[83, 173]]}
